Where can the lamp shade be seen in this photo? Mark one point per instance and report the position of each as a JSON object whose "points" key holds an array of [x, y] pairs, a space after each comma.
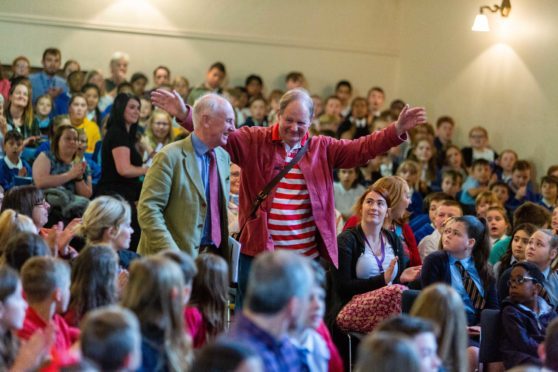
{"points": [[481, 24]]}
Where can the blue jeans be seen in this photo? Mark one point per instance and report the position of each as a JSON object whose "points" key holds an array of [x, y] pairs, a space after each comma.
{"points": [[244, 266]]}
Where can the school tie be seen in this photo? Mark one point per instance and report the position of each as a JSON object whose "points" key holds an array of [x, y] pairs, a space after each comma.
{"points": [[214, 200], [545, 296], [470, 287]]}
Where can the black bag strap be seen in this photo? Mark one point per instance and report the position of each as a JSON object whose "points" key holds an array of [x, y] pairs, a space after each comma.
{"points": [[267, 189]]}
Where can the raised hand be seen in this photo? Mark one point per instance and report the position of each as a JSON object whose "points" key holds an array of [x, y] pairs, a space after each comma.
{"points": [[171, 102], [410, 274], [410, 118], [388, 274]]}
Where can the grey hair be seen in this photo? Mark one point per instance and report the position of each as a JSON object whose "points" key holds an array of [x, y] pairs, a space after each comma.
{"points": [[275, 278], [209, 102], [297, 94], [117, 56]]}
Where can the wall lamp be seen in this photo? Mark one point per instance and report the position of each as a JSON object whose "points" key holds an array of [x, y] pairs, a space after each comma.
{"points": [[481, 22]]}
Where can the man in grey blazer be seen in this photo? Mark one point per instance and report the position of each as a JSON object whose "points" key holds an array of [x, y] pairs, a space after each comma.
{"points": [[174, 206]]}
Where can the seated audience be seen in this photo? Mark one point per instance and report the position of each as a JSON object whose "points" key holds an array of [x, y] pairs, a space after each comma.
{"points": [[525, 316], [446, 210], [548, 349], [12, 222], [423, 224], [106, 221], [424, 153], [497, 223], [110, 338], [155, 293], [19, 113], [43, 113], [445, 126], [22, 246], [409, 171], [484, 201], [542, 249], [549, 192], [94, 279], [46, 283], [356, 125], [517, 248], [505, 162], [479, 147], [387, 352], [16, 357], [451, 182], [258, 113], [277, 299], [77, 113], [347, 190], [62, 102], [442, 305], [476, 183], [520, 186], [228, 356], [314, 340], [421, 333], [206, 313], [453, 160], [527, 213], [47, 80], [13, 166], [213, 80], [370, 257]]}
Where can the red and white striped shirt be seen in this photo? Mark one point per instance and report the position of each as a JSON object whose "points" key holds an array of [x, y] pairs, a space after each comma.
{"points": [[290, 220]]}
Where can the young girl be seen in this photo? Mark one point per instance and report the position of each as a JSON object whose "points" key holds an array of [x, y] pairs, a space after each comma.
{"points": [[453, 159], [94, 277], [497, 223], [464, 258], [409, 171], [155, 293], [43, 108], [12, 315], [479, 149], [206, 314], [424, 154], [347, 190], [159, 130], [92, 93], [443, 306], [516, 248], [484, 201], [107, 221], [506, 162]]}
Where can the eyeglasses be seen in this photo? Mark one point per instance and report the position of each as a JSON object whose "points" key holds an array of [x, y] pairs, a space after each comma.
{"points": [[520, 280]]}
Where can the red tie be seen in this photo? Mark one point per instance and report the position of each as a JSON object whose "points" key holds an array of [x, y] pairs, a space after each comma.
{"points": [[214, 200]]}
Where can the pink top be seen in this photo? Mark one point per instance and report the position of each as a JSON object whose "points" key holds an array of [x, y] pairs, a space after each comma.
{"points": [[5, 89], [335, 361], [195, 325]]}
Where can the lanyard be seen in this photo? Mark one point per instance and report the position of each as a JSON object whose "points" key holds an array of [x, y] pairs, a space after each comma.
{"points": [[379, 261]]}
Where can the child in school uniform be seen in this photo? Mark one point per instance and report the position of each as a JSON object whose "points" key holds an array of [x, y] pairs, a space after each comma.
{"points": [[13, 165], [525, 316]]}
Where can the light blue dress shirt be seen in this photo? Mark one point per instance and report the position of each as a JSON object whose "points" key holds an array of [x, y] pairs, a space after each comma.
{"points": [[457, 282]]}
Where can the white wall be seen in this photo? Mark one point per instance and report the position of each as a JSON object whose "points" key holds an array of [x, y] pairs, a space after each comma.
{"points": [[250, 36], [504, 80]]}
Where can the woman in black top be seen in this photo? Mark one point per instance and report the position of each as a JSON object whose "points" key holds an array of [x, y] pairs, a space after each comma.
{"points": [[120, 159]]}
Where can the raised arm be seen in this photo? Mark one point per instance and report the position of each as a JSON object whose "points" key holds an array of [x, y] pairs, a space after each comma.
{"points": [[173, 103]]}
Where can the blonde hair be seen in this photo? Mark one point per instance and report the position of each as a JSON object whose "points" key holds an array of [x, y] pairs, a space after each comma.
{"points": [[394, 185], [442, 305], [487, 197], [149, 130], [102, 213], [12, 222], [155, 293]]}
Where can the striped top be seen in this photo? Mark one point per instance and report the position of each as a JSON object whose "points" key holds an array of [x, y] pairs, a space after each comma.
{"points": [[290, 220]]}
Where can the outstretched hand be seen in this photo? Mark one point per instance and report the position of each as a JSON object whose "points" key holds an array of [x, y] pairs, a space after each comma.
{"points": [[410, 118], [171, 102]]}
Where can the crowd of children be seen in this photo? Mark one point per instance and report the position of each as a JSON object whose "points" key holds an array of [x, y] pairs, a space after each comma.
{"points": [[476, 220]]}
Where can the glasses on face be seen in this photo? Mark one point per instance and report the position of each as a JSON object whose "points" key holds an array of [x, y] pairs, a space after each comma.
{"points": [[520, 280]]}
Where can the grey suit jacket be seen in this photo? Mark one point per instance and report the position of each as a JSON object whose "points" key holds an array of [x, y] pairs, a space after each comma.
{"points": [[172, 205]]}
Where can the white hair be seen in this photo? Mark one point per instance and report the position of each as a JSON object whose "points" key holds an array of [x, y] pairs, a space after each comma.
{"points": [[117, 56], [208, 103]]}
